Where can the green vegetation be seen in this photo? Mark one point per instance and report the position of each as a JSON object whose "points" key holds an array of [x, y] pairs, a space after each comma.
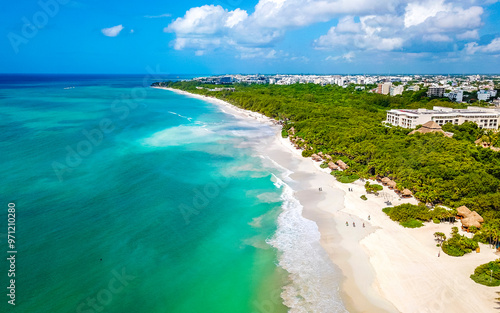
{"points": [[412, 224], [470, 132], [489, 233], [440, 237], [344, 177], [372, 188], [307, 153], [347, 124], [458, 245], [487, 274], [324, 165], [284, 133], [410, 215], [363, 197]]}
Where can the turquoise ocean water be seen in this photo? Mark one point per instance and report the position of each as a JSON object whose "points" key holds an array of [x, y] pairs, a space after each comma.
{"points": [[133, 199]]}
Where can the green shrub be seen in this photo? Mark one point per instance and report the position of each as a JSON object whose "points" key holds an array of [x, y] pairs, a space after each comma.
{"points": [[307, 153], [412, 224], [345, 178], [284, 133], [348, 179], [452, 250], [407, 212], [483, 274], [324, 165], [372, 188], [458, 245], [364, 197]]}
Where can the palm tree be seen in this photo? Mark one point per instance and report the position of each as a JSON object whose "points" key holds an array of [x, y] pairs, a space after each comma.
{"points": [[489, 137], [440, 237]]}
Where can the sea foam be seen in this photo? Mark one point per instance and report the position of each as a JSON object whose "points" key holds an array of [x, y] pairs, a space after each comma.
{"points": [[314, 281], [181, 135]]}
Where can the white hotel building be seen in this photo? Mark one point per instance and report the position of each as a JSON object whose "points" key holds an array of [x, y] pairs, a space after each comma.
{"points": [[483, 117]]}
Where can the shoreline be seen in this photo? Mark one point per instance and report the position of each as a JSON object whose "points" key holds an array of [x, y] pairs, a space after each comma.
{"points": [[385, 267]]}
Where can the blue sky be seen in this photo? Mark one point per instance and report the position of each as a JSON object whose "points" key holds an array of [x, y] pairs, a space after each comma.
{"points": [[256, 36]]}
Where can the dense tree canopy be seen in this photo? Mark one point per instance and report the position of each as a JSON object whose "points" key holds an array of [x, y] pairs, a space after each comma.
{"points": [[347, 123]]}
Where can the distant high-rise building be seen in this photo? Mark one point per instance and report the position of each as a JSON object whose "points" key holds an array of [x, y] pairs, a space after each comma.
{"points": [[435, 92], [456, 95], [384, 88], [397, 90]]}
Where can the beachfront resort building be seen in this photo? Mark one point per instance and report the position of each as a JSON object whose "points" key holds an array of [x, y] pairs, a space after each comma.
{"points": [[483, 117]]}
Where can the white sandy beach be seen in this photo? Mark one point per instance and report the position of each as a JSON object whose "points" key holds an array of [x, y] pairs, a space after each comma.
{"points": [[386, 267]]}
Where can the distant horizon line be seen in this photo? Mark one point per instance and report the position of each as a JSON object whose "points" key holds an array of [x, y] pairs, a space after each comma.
{"points": [[265, 74]]}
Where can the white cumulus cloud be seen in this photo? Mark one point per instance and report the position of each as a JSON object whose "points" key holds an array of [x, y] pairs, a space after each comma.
{"points": [[390, 25], [112, 31], [470, 34], [492, 48]]}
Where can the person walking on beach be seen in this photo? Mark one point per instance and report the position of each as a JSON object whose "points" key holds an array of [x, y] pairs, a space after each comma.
{"points": [[353, 224], [346, 223], [368, 217]]}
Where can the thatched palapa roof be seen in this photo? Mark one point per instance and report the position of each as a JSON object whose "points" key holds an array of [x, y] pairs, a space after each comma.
{"points": [[476, 216], [333, 166], [463, 211], [407, 193], [386, 180], [430, 127], [316, 157], [470, 221], [342, 165], [391, 184]]}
